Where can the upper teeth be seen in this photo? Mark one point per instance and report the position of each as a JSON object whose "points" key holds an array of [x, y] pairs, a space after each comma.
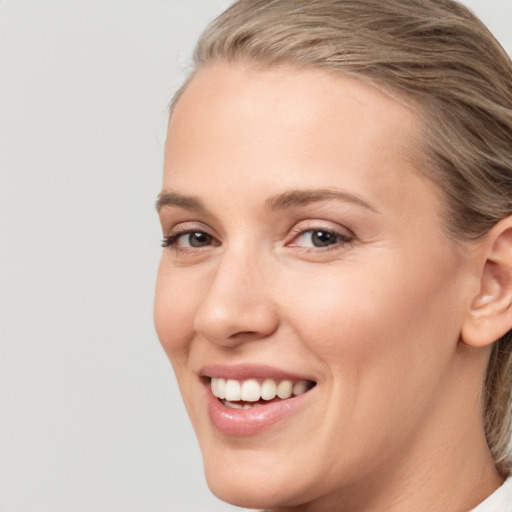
{"points": [[252, 390]]}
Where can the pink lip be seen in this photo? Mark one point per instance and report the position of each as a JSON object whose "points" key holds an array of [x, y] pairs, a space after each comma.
{"points": [[245, 371], [249, 422]]}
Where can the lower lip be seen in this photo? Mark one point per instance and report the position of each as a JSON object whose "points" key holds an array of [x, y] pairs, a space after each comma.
{"points": [[249, 422]]}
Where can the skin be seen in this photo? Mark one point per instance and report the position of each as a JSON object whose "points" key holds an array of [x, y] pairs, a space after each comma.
{"points": [[375, 319]]}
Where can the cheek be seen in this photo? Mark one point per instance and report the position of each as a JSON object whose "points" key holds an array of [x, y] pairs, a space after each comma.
{"points": [[384, 338], [379, 316], [174, 307]]}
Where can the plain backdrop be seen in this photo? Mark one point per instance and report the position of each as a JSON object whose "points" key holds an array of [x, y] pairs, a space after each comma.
{"points": [[90, 416]]}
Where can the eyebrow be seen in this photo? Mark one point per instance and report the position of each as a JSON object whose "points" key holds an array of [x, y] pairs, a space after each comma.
{"points": [[295, 198], [286, 200], [169, 198]]}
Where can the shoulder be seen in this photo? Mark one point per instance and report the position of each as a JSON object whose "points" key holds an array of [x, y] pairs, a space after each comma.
{"points": [[498, 501]]}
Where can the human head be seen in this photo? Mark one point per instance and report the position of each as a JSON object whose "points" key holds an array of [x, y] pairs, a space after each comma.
{"points": [[433, 55]]}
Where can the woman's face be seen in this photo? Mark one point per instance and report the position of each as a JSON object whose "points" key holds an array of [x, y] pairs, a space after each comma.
{"points": [[304, 246]]}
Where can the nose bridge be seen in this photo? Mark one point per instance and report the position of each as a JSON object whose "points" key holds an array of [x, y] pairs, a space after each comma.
{"points": [[237, 305]]}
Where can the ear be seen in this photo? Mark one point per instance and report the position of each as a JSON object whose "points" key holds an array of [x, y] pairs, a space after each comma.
{"points": [[490, 315]]}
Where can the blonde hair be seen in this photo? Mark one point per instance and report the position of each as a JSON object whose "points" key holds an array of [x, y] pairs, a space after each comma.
{"points": [[435, 53]]}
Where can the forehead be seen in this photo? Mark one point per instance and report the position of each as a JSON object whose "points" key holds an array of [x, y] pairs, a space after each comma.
{"points": [[286, 104], [290, 128]]}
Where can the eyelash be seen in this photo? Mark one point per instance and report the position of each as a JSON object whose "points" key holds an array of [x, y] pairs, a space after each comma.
{"points": [[340, 239], [171, 240]]}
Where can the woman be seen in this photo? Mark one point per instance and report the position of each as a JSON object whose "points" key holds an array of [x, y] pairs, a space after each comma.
{"points": [[335, 292]]}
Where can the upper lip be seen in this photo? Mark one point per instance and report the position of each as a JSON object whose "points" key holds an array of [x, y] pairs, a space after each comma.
{"points": [[249, 371]]}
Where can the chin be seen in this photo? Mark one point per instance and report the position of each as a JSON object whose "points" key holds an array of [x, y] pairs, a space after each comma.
{"points": [[257, 481], [249, 490]]}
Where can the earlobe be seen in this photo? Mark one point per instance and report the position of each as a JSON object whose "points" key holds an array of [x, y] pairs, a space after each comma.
{"points": [[490, 315]]}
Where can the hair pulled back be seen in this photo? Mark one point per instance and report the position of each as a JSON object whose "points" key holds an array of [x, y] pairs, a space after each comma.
{"points": [[435, 54]]}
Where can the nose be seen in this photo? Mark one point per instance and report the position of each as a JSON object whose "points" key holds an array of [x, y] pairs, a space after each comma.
{"points": [[237, 306]]}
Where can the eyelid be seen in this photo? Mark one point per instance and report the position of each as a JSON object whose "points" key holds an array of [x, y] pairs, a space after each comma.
{"points": [[189, 226], [345, 235], [320, 225], [185, 228]]}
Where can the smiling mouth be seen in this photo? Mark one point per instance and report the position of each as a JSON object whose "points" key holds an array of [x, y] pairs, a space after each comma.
{"points": [[250, 393]]}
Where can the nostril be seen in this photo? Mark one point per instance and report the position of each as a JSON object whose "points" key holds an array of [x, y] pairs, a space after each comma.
{"points": [[234, 311], [245, 334]]}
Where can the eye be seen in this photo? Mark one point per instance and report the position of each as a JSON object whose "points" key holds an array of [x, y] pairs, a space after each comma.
{"points": [[319, 238], [189, 239]]}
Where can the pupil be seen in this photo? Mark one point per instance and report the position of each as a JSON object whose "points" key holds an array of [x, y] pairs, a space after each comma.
{"points": [[199, 239], [323, 238]]}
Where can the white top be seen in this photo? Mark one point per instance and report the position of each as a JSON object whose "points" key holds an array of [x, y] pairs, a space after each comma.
{"points": [[499, 501]]}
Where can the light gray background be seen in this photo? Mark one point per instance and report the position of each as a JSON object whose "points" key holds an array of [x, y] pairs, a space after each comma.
{"points": [[90, 417]]}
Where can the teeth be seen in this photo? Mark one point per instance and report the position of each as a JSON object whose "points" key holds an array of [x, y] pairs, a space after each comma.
{"points": [[300, 387], [284, 389], [268, 389], [214, 384], [252, 390], [233, 391], [219, 388], [234, 405]]}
